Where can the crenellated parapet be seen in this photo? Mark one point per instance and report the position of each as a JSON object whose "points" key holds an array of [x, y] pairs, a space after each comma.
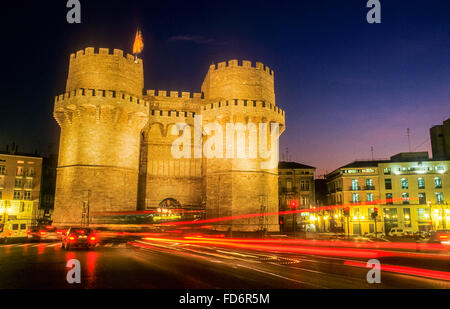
{"points": [[246, 64], [100, 106], [162, 94], [116, 96], [239, 79], [244, 111], [105, 69], [89, 51], [174, 100]]}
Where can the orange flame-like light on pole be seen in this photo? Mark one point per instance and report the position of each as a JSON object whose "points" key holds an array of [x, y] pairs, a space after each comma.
{"points": [[138, 45]]}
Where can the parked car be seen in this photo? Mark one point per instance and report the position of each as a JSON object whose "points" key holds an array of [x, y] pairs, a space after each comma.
{"points": [[408, 233], [396, 232], [421, 235], [43, 233], [78, 237], [372, 235], [440, 237]]}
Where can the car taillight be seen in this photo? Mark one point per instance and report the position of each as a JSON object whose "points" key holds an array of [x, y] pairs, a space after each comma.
{"points": [[443, 237], [42, 233], [92, 238]]}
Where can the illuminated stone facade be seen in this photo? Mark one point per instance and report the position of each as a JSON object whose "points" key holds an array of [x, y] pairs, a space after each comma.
{"points": [[116, 141]]}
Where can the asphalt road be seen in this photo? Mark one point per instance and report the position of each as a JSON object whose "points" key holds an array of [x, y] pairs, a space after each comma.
{"points": [[160, 265]]}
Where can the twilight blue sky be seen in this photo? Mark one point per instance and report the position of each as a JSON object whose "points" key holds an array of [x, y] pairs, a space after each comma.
{"points": [[345, 85]]}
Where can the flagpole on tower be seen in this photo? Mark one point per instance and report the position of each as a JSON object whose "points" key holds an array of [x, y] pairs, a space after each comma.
{"points": [[138, 45]]}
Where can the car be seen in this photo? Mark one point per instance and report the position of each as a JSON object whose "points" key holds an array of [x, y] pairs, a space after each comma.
{"points": [[409, 233], [79, 237], [396, 232], [421, 235], [440, 237], [372, 235], [43, 233]]}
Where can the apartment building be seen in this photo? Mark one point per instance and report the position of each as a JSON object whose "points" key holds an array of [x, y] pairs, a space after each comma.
{"points": [[20, 186], [296, 191], [410, 191]]}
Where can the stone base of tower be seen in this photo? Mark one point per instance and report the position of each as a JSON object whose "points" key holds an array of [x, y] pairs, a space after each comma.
{"points": [[250, 198], [100, 189]]}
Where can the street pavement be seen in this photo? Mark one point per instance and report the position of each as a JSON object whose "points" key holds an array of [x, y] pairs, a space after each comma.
{"points": [[149, 264]]}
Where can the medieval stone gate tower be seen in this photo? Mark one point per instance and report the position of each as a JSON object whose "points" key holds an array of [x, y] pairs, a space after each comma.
{"points": [[242, 94], [101, 116], [115, 145]]}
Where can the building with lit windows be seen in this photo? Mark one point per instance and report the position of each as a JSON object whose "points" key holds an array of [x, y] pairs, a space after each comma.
{"points": [[416, 192], [410, 192], [20, 186], [440, 141], [296, 191], [357, 185]]}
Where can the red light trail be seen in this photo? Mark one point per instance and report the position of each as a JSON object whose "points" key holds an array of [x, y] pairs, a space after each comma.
{"points": [[434, 274]]}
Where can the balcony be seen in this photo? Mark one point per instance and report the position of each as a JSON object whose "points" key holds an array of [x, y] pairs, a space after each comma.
{"points": [[369, 187], [354, 188]]}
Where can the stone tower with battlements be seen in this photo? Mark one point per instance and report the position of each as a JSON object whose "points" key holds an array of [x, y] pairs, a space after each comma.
{"points": [[116, 142], [241, 94], [101, 115]]}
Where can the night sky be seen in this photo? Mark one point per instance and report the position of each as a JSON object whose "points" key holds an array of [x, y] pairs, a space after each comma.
{"points": [[345, 85]]}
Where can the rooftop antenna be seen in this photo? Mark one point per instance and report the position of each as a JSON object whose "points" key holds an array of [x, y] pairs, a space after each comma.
{"points": [[409, 140], [287, 153], [371, 150]]}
